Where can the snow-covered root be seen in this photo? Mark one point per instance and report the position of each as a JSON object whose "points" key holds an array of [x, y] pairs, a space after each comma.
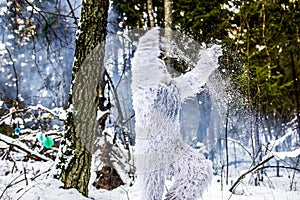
{"points": [[192, 174]]}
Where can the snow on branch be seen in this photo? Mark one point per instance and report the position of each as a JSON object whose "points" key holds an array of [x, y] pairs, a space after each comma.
{"points": [[23, 147], [287, 154], [58, 112], [12, 111], [280, 140]]}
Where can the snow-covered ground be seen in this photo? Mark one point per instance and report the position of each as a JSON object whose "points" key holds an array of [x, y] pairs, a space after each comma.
{"points": [[36, 183], [280, 191]]}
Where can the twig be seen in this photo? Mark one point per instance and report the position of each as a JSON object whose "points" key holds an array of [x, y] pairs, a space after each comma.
{"points": [[241, 145], [25, 175], [9, 185], [10, 156], [33, 178], [72, 12], [26, 192], [46, 21], [53, 13]]}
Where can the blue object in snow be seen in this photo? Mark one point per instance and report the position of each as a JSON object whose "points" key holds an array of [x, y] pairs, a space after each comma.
{"points": [[17, 131], [41, 137]]}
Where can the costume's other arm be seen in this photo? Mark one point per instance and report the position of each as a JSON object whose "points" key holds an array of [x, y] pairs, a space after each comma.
{"points": [[191, 83]]}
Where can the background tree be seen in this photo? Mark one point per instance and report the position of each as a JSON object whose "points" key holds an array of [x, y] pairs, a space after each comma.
{"points": [[131, 13], [36, 44], [168, 6], [203, 20], [150, 13], [265, 39]]}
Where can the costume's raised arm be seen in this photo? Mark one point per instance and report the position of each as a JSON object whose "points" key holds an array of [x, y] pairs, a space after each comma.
{"points": [[190, 83]]}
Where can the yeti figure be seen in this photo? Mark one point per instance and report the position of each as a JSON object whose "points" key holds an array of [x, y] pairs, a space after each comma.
{"points": [[160, 152]]}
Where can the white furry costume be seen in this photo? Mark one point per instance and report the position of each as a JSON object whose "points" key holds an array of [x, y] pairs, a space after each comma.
{"points": [[157, 98]]}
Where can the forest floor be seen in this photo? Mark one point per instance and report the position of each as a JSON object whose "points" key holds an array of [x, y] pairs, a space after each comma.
{"points": [[32, 180]]}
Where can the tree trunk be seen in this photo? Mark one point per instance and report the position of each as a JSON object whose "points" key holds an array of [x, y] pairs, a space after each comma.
{"points": [[168, 33], [296, 92], [77, 145], [168, 13], [150, 12]]}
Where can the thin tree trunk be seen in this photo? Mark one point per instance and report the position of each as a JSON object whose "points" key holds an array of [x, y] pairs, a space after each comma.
{"points": [[298, 108], [168, 13], [168, 32], [150, 13], [226, 145], [296, 90], [77, 145]]}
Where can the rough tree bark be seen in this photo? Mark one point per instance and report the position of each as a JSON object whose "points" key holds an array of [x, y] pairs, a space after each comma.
{"points": [[77, 145]]}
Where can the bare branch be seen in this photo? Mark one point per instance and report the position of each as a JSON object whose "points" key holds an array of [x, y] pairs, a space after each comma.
{"points": [[281, 166], [256, 167], [16, 75], [23, 147], [122, 122], [241, 145]]}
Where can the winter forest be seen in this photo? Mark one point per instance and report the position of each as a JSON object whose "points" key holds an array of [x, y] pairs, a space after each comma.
{"points": [[149, 99]]}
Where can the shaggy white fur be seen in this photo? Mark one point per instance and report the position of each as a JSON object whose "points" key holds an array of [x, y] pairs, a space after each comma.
{"points": [[160, 151]]}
